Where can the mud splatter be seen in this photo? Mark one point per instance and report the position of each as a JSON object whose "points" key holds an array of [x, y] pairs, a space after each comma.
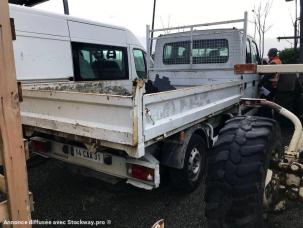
{"points": [[83, 87]]}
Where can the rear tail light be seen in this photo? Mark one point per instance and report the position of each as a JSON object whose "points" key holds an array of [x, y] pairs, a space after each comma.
{"points": [[39, 145], [141, 172]]}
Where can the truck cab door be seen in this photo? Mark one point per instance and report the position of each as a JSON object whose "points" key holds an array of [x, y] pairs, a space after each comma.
{"points": [[251, 81], [255, 53]]}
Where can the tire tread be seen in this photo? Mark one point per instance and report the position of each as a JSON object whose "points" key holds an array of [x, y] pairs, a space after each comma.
{"points": [[236, 172]]}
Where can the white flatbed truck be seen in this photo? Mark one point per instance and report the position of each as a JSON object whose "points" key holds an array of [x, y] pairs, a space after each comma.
{"points": [[85, 102]]}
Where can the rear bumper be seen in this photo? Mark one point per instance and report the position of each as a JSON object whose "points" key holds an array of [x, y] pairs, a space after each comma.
{"points": [[107, 163]]}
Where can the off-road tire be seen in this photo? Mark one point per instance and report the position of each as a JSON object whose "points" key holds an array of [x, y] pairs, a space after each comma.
{"points": [[180, 178], [237, 170]]}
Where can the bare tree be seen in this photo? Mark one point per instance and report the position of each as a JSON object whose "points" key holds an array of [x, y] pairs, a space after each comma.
{"points": [[261, 14]]}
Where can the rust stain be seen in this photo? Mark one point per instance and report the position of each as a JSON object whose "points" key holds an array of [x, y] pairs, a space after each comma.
{"points": [[135, 128]]}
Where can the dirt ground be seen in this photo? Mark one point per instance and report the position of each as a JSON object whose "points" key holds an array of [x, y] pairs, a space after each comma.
{"points": [[60, 195]]}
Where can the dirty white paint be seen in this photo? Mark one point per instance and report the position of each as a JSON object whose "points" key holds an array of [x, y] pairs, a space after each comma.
{"points": [[167, 111], [118, 168], [125, 120]]}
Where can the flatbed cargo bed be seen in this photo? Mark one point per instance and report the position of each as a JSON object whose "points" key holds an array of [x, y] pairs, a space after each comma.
{"points": [[128, 121]]}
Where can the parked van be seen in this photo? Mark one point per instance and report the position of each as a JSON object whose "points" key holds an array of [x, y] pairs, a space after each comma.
{"points": [[64, 48]]}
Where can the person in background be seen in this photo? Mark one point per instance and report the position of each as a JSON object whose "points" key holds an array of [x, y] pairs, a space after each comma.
{"points": [[269, 82]]}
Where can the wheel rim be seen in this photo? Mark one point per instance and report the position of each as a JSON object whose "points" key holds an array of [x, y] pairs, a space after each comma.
{"points": [[194, 164]]}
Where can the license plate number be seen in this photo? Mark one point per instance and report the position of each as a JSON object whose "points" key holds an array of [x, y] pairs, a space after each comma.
{"points": [[87, 155]]}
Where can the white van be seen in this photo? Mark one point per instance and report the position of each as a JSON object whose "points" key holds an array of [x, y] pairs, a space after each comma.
{"points": [[62, 48]]}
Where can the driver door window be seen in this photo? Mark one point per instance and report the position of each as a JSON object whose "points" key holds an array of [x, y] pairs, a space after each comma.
{"points": [[140, 63], [255, 53]]}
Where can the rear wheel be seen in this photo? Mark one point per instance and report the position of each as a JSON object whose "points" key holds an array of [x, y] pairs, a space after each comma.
{"points": [[237, 171], [190, 176]]}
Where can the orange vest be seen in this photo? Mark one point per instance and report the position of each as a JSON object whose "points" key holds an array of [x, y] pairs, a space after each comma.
{"points": [[275, 60], [276, 77]]}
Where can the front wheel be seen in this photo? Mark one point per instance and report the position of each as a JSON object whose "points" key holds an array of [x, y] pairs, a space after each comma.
{"points": [[237, 170], [191, 175]]}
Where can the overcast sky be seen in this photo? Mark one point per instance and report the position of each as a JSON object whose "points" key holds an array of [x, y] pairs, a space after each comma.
{"points": [[135, 14]]}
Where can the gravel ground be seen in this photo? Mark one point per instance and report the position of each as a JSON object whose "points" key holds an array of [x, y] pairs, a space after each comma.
{"points": [[60, 195]]}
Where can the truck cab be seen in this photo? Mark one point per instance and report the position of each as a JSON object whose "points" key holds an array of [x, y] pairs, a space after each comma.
{"points": [[209, 58]]}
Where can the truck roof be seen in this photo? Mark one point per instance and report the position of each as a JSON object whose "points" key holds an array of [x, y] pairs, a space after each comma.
{"points": [[130, 36]]}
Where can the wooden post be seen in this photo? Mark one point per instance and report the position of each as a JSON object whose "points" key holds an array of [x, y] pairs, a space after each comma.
{"points": [[11, 140]]}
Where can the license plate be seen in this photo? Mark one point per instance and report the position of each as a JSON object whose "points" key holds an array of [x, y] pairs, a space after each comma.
{"points": [[87, 155]]}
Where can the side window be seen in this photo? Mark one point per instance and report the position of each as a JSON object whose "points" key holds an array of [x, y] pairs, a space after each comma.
{"points": [[99, 62], [210, 51], [255, 54], [248, 52], [140, 63], [176, 53]]}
